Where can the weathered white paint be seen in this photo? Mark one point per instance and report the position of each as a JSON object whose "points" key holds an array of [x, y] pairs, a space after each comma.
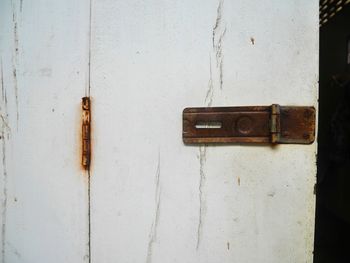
{"points": [[44, 66], [153, 199]]}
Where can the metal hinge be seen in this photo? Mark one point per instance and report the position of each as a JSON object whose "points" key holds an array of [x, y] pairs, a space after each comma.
{"points": [[86, 130], [255, 124]]}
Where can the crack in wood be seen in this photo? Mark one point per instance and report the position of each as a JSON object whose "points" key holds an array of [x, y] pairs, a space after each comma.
{"points": [[154, 226]]}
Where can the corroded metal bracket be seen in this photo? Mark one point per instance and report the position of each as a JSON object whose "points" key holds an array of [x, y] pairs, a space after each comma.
{"points": [[86, 130], [256, 124]]}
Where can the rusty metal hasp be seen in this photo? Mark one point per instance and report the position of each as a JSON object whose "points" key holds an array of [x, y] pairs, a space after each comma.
{"points": [[255, 124], [86, 133]]}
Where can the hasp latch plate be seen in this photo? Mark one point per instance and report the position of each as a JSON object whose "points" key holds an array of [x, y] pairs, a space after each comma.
{"points": [[253, 124]]}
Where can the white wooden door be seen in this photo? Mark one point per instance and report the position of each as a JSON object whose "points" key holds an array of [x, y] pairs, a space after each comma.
{"points": [[148, 197], [153, 199]]}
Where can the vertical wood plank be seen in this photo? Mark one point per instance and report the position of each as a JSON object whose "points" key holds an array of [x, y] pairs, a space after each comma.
{"points": [[44, 73], [155, 199]]}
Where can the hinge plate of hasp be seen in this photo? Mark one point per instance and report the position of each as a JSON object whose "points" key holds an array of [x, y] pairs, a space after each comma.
{"points": [[253, 124]]}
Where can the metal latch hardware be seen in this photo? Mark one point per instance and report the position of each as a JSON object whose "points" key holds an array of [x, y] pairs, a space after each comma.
{"points": [[255, 124], [86, 133]]}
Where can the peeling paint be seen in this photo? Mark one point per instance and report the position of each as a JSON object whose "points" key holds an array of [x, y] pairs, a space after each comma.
{"points": [[210, 92], [217, 21], [21, 6], [2, 83], [219, 31], [4, 192], [154, 226], [15, 58], [202, 205], [221, 73], [14, 250], [4, 121], [4, 136], [218, 34]]}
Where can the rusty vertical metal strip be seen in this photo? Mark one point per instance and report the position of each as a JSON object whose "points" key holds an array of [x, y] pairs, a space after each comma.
{"points": [[86, 133], [275, 123]]}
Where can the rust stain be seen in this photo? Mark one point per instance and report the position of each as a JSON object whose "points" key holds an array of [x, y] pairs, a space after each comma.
{"points": [[86, 133], [239, 181]]}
